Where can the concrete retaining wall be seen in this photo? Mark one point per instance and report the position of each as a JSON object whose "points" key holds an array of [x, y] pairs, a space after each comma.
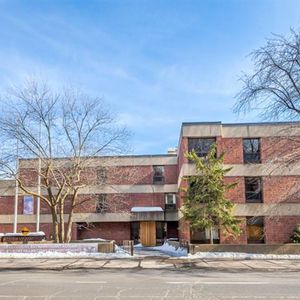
{"points": [[258, 249]]}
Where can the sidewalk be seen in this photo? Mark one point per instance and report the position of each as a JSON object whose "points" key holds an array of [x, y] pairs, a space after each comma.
{"points": [[150, 263]]}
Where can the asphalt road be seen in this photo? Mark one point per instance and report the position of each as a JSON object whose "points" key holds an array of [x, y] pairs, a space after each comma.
{"points": [[148, 284]]}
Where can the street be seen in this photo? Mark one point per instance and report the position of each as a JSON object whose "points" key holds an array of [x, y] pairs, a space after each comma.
{"points": [[148, 284]]}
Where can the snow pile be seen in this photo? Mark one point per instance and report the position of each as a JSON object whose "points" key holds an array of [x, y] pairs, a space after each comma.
{"points": [[95, 239], [241, 256], [166, 248], [170, 249], [38, 233], [137, 209]]}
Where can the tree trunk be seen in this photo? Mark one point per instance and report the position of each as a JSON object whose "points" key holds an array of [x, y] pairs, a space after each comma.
{"points": [[62, 221], [211, 235], [55, 224], [68, 236]]}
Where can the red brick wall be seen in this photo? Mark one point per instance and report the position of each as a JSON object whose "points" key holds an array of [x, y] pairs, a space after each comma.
{"points": [[123, 202], [273, 148], [281, 189], [7, 205], [109, 231], [278, 230], [115, 175], [232, 149], [183, 148], [184, 230], [236, 194]]}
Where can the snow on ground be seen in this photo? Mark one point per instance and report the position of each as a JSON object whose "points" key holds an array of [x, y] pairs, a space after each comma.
{"points": [[166, 248], [169, 249], [120, 253], [239, 256], [11, 234], [95, 239]]}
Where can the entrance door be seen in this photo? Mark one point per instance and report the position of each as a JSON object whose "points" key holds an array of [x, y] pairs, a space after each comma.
{"points": [[148, 233]]}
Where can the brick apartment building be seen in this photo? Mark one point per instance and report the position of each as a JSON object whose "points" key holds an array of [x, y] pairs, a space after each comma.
{"points": [[140, 196]]}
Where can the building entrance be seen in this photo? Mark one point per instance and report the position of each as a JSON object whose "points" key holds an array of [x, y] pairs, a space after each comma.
{"points": [[148, 233]]}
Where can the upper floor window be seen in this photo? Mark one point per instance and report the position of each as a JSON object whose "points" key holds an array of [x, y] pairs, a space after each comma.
{"points": [[251, 149], [170, 201], [101, 175], [253, 189], [158, 174], [101, 203], [200, 145]]}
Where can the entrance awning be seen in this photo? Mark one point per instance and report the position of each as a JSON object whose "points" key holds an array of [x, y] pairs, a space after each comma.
{"points": [[146, 209]]}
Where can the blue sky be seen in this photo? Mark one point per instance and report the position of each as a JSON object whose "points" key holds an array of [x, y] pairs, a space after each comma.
{"points": [[157, 63]]}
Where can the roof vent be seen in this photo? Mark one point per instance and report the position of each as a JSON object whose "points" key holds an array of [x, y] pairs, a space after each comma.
{"points": [[172, 150]]}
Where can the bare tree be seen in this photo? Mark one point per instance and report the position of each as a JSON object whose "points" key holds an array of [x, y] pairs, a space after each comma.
{"points": [[273, 87], [65, 131], [273, 90]]}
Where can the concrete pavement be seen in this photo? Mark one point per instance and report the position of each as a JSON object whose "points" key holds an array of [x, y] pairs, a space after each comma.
{"points": [[158, 263]]}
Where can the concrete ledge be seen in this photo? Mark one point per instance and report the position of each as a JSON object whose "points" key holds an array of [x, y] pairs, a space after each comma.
{"points": [[253, 248]]}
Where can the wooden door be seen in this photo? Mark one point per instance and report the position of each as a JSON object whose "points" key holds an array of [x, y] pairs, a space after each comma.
{"points": [[148, 233]]}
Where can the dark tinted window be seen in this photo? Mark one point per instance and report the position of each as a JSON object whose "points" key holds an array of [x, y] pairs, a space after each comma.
{"points": [[158, 174], [200, 145], [251, 150], [253, 189], [101, 204]]}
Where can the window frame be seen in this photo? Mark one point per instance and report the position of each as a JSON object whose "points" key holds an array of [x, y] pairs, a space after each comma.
{"points": [[173, 205], [101, 175], [158, 178], [251, 156], [200, 153], [259, 219], [260, 193], [103, 199]]}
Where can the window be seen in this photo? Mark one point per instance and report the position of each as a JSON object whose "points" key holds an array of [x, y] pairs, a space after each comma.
{"points": [[101, 175], [200, 145], [203, 236], [28, 205], [253, 190], [251, 149], [158, 174], [170, 202], [255, 230], [101, 203]]}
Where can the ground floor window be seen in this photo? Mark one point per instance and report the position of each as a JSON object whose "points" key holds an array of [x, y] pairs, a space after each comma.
{"points": [[203, 236], [255, 230]]}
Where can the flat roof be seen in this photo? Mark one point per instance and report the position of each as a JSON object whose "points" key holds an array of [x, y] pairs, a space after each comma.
{"points": [[241, 124]]}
